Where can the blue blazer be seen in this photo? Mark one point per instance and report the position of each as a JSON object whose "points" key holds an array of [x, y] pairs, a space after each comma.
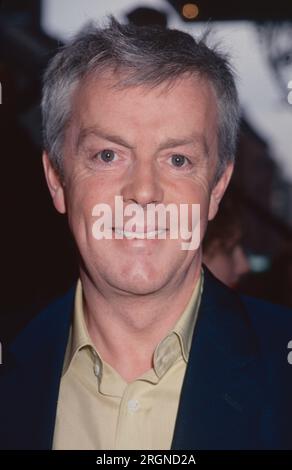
{"points": [[236, 394]]}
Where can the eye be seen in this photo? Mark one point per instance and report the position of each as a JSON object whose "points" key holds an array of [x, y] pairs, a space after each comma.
{"points": [[179, 160], [106, 155]]}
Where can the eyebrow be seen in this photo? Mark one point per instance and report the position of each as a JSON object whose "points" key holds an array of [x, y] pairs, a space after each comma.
{"points": [[196, 139], [96, 131]]}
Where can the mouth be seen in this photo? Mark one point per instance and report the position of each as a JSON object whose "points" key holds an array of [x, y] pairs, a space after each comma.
{"points": [[140, 234]]}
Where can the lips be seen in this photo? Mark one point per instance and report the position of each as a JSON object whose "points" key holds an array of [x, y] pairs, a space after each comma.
{"points": [[140, 232]]}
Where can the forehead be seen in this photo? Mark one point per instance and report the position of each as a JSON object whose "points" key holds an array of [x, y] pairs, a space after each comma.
{"points": [[184, 105]]}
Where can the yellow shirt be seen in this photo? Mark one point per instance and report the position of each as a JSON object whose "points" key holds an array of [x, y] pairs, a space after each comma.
{"points": [[97, 409]]}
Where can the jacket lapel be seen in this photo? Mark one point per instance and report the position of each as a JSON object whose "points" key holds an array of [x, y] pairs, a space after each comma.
{"points": [[31, 378], [220, 393]]}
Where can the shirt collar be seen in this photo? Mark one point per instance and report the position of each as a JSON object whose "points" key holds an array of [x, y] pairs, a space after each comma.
{"points": [[176, 344], [79, 337]]}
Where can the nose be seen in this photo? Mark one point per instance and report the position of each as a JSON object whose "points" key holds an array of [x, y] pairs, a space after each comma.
{"points": [[143, 186]]}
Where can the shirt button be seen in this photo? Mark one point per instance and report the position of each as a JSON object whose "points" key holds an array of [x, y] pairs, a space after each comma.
{"points": [[133, 405]]}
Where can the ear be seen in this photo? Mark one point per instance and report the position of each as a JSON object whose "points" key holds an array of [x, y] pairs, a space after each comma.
{"points": [[55, 185], [219, 190]]}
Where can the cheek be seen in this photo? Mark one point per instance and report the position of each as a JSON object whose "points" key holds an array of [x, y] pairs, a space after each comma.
{"points": [[200, 186], [84, 191], [199, 193], [81, 200], [196, 195]]}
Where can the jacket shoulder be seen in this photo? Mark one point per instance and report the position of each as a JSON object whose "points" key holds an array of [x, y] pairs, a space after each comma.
{"points": [[272, 323], [46, 326]]}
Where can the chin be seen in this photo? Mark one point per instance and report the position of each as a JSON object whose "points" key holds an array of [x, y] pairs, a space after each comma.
{"points": [[141, 290], [140, 285]]}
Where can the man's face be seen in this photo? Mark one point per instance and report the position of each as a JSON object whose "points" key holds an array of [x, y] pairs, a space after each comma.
{"points": [[146, 145]]}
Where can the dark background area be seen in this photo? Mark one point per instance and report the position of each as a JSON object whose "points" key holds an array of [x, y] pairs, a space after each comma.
{"points": [[38, 260]]}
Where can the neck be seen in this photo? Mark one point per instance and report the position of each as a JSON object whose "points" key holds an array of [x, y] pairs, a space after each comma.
{"points": [[125, 329]]}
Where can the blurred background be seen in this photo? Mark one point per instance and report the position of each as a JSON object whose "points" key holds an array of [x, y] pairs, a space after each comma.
{"points": [[38, 260]]}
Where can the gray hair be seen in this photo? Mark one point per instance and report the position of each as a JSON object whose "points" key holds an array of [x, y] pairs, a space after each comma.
{"points": [[148, 55]]}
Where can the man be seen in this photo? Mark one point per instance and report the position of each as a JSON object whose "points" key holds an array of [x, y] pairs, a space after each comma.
{"points": [[149, 351]]}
